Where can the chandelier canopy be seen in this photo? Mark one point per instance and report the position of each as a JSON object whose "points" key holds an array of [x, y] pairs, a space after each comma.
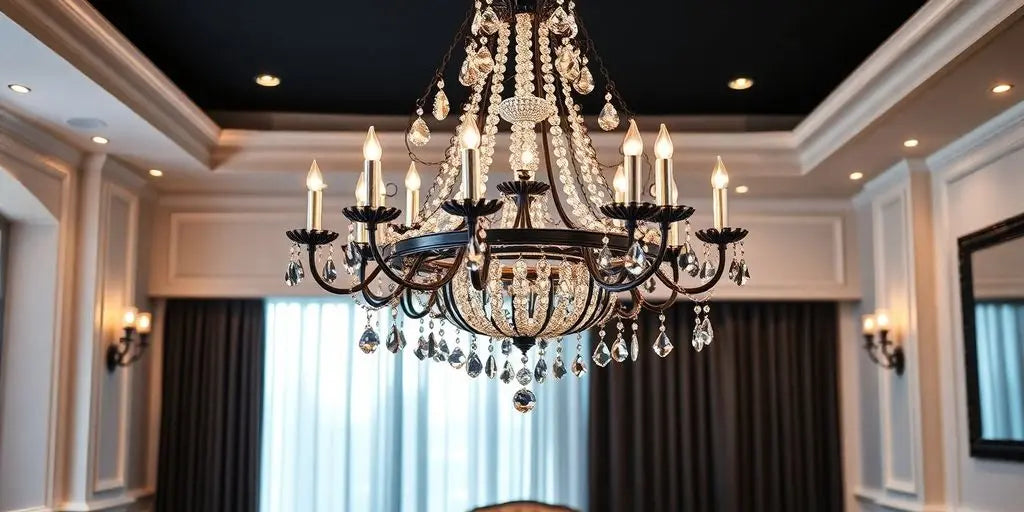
{"points": [[535, 261]]}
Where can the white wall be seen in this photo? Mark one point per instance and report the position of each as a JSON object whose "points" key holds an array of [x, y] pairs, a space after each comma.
{"points": [[72, 436], [911, 445]]}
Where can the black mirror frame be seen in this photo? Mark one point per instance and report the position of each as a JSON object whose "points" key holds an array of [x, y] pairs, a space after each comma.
{"points": [[995, 234]]}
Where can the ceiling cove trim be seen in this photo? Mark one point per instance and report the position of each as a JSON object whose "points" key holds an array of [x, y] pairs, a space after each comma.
{"points": [[82, 36], [932, 38]]}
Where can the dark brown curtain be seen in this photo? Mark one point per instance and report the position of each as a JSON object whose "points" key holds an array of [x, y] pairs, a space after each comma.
{"points": [[749, 424], [212, 398]]}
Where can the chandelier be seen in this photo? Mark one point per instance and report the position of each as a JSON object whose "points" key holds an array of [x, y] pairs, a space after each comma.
{"points": [[537, 260]]}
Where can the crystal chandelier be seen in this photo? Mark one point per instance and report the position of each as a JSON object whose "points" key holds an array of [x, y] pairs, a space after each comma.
{"points": [[537, 260]]}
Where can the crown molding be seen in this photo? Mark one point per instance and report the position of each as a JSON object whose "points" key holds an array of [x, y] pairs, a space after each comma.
{"points": [[991, 141], [79, 34], [930, 40]]}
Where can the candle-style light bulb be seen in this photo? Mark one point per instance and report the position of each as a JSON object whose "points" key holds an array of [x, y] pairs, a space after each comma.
{"points": [[632, 145], [129, 317], [868, 324], [719, 176], [371, 147], [882, 319], [663, 144], [144, 323], [412, 195], [315, 197], [620, 185], [470, 136]]}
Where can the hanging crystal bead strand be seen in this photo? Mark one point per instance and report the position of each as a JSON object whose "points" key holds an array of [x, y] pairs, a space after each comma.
{"points": [[579, 366], [619, 350], [662, 344], [369, 341], [558, 366], [602, 356]]}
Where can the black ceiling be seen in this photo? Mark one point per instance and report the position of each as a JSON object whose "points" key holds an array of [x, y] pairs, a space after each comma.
{"points": [[376, 56]]}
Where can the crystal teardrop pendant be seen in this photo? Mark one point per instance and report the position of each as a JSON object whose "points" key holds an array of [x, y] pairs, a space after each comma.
{"points": [[474, 255], [585, 83], [468, 75], [442, 351], [734, 269], [688, 260], [457, 358], [662, 345], [701, 338], [441, 105], [743, 275], [524, 400], [604, 259], [558, 367], [489, 21], [602, 356], [523, 376], [708, 330], [578, 366], [707, 271], [290, 277], [300, 272], [353, 256], [491, 368], [506, 346], [369, 341], [330, 271], [634, 349], [540, 371], [608, 119], [422, 349], [568, 63], [431, 345], [483, 62], [507, 373], [559, 21], [396, 340], [619, 351], [474, 367], [419, 133], [636, 259]]}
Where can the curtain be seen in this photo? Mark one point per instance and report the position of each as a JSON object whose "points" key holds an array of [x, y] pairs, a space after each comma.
{"points": [[210, 423], [381, 432], [749, 423], [1000, 345]]}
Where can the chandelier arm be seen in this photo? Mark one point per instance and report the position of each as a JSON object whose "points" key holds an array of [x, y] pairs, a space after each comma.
{"points": [[702, 288], [331, 289], [409, 308], [583, 320], [407, 282], [634, 307], [588, 257], [448, 301]]}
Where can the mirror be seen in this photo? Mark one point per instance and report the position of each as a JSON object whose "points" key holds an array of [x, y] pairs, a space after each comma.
{"points": [[992, 296]]}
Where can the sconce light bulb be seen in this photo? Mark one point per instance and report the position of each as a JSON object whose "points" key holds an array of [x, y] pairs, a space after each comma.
{"points": [[130, 316]]}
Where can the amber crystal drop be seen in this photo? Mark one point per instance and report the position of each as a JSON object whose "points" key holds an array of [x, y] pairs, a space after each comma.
{"points": [[419, 133], [441, 105]]}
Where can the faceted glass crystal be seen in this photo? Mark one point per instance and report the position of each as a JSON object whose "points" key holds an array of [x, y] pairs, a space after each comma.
{"points": [[441, 105], [441, 354], [636, 259], [491, 369], [734, 269], [483, 61], [422, 349], [469, 75], [540, 371], [568, 63], [353, 256], [634, 349], [330, 271], [604, 258], [457, 358], [474, 367], [579, 367], [506, 346], [507, 373], [602, 356], [688, 260], [707, 271], [558, 367], [585, 83], [524, 400], [431, 345], [489, 21], [608, 119], [662, 345], [561, 23], [419, 133], [396, 340], [619, 351], [701, 337], [523, 376], [742, 274], [369, 341]]}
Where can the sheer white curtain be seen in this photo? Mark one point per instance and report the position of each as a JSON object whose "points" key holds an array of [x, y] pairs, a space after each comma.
{"points": [[1000, 346], [346, 431]]}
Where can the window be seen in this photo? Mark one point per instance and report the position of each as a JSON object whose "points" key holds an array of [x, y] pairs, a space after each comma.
{"points": [[344, 430]]}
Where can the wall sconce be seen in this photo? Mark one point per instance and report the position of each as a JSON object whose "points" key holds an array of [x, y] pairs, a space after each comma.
{"points": [[128, 349], [882, 352]]}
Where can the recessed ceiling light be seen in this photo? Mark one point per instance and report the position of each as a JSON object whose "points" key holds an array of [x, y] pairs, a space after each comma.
{"points": [[911, 143], [856, 175], [1001, 88], [100, 140], [18, 88], [742, 189], [156, 173], [268, 80], [741, 83]]}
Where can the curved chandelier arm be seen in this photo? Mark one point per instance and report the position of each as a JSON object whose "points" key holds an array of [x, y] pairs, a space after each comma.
{"points": [[409, 307], [660, 307], [376, 301], [331, 289], [407, 281], [588, 257], [671, 284], [452, 311]]}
